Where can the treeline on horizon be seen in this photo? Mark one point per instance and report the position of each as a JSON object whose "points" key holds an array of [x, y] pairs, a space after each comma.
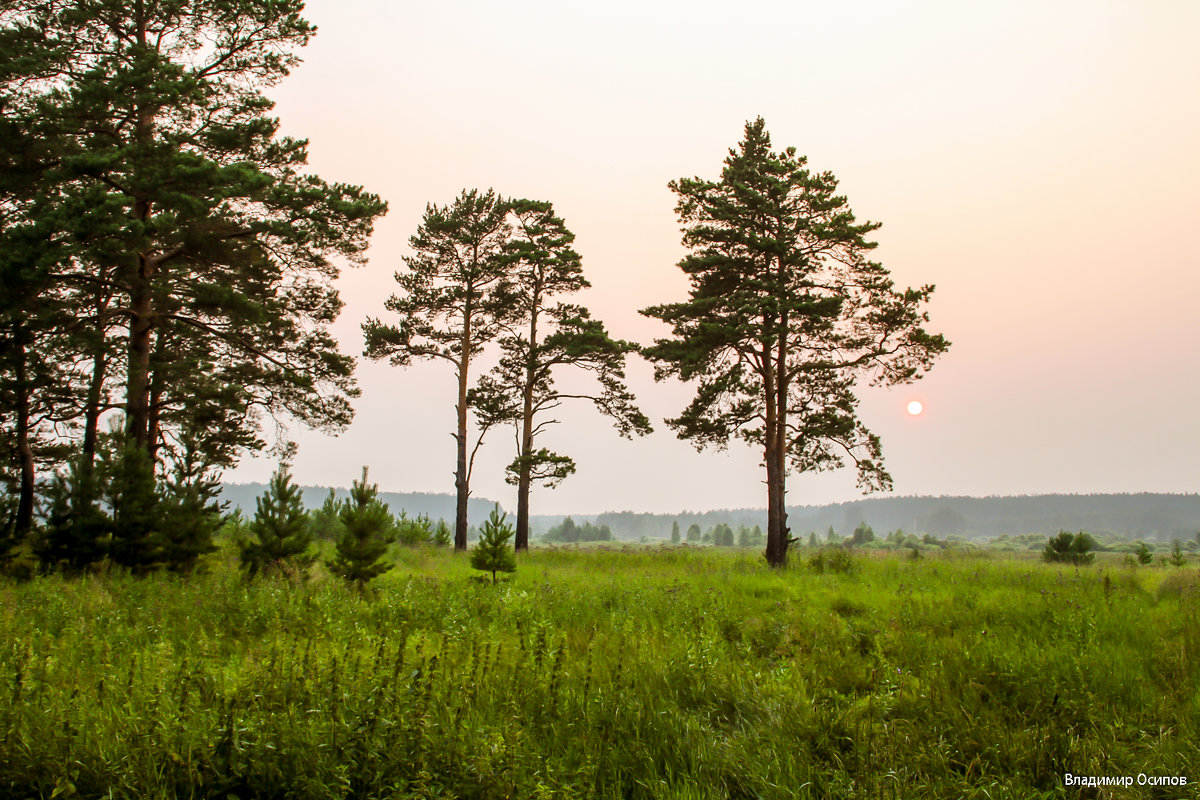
{"points": [[1152, 516], [431, 504], [1147, 515]]}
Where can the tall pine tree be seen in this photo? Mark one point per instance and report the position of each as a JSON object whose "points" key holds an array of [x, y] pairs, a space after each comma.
{"points": [[184, 216], [786, 314], [449, 309], [543, 335]]}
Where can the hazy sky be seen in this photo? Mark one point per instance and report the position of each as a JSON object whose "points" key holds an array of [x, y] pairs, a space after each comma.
{"points": [[1038, 161]]}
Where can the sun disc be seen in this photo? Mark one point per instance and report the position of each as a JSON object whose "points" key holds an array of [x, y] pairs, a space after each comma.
{"points": [[915, 407]]}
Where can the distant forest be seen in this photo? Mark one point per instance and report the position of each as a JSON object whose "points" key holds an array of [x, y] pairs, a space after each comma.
{"points": [[437, 506], [1152, 517]]}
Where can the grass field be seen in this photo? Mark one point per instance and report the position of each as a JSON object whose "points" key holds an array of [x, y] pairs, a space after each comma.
{"points": [[672, 673]]}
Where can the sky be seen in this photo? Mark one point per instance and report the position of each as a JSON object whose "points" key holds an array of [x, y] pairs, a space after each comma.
{"points": [[1037, 161]]}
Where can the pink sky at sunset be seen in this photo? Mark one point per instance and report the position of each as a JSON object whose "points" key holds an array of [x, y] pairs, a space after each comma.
{"points": [[1037, 161]]}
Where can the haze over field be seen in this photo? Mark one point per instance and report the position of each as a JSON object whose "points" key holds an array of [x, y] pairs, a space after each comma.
{"points": [[1036, 162]]}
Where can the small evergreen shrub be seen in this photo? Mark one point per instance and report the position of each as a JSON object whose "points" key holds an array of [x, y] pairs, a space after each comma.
{"points": [[190, 513], [326, 520], [493, 553], [136, 514], [367, 530], [832, 559], [415, 531], [280, 533], [1144, 556], [77, 530], [441, 534], [1177, 558]]}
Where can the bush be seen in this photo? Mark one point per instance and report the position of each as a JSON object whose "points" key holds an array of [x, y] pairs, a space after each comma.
{"points": [[1144, 556], [832, 559], [415, 531], [568, 532], [1068, 547]]}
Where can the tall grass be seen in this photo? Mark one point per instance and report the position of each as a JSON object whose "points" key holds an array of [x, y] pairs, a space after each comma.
{"points": [[673, 673]]}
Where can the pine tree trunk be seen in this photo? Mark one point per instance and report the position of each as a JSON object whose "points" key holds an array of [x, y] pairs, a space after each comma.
{"points": [[460, 473], [776, 519], [92, 411], [24, 520], [91, 416], [154, 411], [775, 454], [137, 383], [525, 481]]}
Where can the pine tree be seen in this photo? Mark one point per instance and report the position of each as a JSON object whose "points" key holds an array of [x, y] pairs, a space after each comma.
{"points": [[1075, 548], [280, 529], [441, 534], [326, 520], [450, 309], [367, 530], [543, 335], [77, 529], [414, 531], [675, 532], [137, 541], [785, 315], [492, 553], [192, 516], [1177, 557], [179, 213]]}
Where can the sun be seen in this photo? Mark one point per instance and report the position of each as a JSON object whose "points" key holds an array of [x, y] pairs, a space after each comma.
{"points": [[915, 407]]}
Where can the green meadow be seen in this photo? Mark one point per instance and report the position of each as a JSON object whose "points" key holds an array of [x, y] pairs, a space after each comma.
{"points": [[610, 673]]}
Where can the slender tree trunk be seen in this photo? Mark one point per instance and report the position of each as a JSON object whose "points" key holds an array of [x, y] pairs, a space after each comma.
{"points": [[524, 478], [776, 549], [462, 489], [775, 389], [776, 518], [24, 520], [137, 383], [781, 449], [154, 411], [141, 323], [91, 418]]}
